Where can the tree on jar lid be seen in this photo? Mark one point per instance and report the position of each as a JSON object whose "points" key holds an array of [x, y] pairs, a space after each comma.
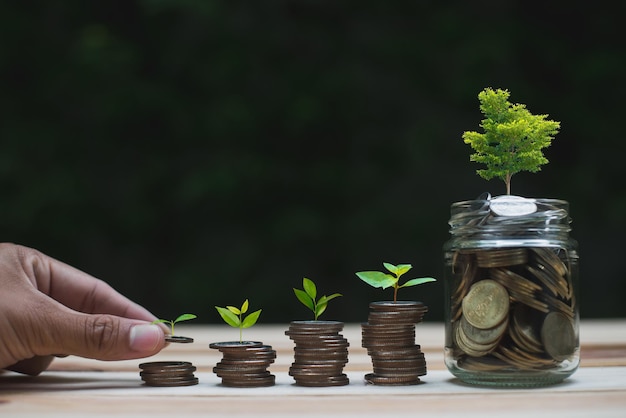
{"points": [[513, 139]]}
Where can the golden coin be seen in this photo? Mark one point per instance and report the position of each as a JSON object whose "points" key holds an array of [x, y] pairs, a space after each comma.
{"points": [[486, 304], [470, 347], [501, 258], [524, 330], [558, 336], [483, 336], [551, 260]]}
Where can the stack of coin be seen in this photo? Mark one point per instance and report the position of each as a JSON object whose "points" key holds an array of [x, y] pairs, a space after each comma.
{"points": [[320, 353], [484, 320], [168, 373], [389, 336], [244, 364]]}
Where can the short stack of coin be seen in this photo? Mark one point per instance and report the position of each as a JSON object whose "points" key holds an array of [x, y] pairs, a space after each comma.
{"points": [[389, 336], [484, 320], [320, 353], [168, 373], [244, 364]]}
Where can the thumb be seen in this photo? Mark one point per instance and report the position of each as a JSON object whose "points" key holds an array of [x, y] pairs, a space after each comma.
{"points": [[104, 337]]}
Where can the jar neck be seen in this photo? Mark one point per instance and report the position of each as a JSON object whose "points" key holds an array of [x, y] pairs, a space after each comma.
{"points": [[524, 220]]}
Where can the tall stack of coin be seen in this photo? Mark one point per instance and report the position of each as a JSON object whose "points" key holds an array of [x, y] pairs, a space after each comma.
{"points": [[168, 373], [244, 364], [389, 336], [320, 353]]}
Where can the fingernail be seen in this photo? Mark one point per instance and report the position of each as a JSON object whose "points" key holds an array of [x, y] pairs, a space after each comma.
{"points": [[145, 337]]}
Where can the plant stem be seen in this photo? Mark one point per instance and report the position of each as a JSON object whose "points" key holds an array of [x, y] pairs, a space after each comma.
{"points": [[240, 327], [507, 181], [395, 293]]}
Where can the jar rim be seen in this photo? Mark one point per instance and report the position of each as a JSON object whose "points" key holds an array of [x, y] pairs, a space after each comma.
{"points": [[533, 215]]}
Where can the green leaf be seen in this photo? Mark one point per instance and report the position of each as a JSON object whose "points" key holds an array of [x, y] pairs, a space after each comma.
{"points": [[234, 310], [309, 288], [377, 279], [229, 317], [392, 268], [415, 282], [185, 317], [513, 137], [304, 298], [244, 307], [403, 268], [159, 321], [251, 319], [326, 299], [319, 309]]}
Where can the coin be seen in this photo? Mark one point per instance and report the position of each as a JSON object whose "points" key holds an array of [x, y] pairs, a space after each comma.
{"points": [[524, 329], [400, 312], [509, 205], [520, 289], [558, 336], [316, 326], [168, 373], [486, 335], [484, 364], [321, 381], [245, 364], [178, 339], [389, 336], [501, 257], [250, 382], [470, 347], [375, 379], [320, 353], [185, 382], [486, 304]]}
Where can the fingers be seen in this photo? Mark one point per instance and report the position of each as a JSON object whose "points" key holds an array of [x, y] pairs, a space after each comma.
{"points": [[40, 327], [49, 308], [76, 289], [98, 336]]}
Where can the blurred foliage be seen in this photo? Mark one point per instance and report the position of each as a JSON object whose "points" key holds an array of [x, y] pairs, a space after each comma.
{"points": [[194, 153]]}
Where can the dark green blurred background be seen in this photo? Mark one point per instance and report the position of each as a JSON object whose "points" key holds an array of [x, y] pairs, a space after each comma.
{"points": [[197, 153]]}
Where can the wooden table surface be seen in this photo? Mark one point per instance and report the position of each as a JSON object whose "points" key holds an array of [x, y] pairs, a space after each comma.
{"points": [[82, 387]]}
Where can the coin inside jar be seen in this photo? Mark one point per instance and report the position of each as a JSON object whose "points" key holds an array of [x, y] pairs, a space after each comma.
{"points": [[558, 336], [486, 304]]}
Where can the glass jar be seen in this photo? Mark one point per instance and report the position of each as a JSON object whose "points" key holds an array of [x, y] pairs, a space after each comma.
{"points": [[511, 273]]}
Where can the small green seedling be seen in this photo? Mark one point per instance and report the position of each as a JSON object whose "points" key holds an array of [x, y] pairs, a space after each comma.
{"points": [[513, 138], [235, 317], [385, 280], [308, 295], [183, 317]]}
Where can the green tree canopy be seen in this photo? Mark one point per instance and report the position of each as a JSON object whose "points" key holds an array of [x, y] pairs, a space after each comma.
{"points": [[513, 139]]}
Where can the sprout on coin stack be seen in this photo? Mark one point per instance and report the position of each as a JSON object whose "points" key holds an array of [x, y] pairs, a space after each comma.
{"points": [[389, 334], [511, 268], [170, 373], [244, 363], [320, 351], [172, 338]]}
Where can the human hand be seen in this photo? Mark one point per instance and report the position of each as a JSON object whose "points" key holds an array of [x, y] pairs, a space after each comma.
{"points": [[48, 307]]}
